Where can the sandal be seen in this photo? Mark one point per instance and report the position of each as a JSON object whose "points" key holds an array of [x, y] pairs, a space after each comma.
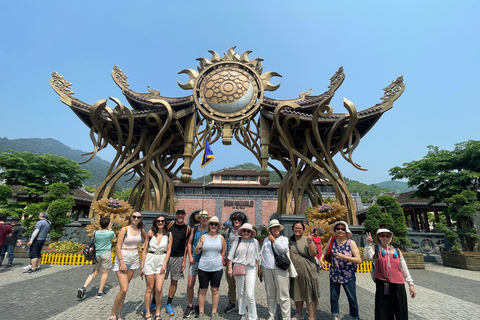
{"points": [[149, 317], [158, 317]]}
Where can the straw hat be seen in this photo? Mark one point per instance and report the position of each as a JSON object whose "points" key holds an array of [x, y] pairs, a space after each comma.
{"points": [[213, 219], [332, 228], [201, 214], [275, 223], [247, 226]]}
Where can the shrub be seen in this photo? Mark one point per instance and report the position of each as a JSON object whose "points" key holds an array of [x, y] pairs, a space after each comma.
{"points": [[64, 247]]}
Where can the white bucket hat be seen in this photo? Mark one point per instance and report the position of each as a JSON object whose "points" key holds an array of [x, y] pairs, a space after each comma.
{"points": [[383, 230], [332, 228], [275, 223]]}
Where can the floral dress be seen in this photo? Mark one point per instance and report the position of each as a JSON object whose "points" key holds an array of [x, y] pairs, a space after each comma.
{"points": [[342, 271]]}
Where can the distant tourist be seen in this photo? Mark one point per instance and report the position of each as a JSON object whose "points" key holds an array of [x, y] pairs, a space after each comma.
{"points": [[10, 242], [198, 231], [238, 219], [277, 281], [210, 266], [391, 272], [304, 288], [245, 253], [345, 257], [37, 240], [318, 241], [154, 264], [127, 259], [103, 250]]}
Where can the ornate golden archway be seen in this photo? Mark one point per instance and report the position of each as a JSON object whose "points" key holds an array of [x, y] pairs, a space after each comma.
{"points": [[160, 137]]}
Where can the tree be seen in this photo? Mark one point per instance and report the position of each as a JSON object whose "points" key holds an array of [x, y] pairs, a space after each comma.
{"points": [[34, 172], [441, 173], [463, 209]]}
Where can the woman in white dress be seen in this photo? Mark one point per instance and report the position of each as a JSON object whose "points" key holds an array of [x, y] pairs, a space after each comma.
{"points": [[154, 263]]}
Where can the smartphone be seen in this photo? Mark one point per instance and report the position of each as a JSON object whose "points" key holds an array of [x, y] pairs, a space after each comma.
{"points": [[261, 278]]}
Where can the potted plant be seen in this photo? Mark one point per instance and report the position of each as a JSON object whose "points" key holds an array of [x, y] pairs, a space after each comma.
{"points": [[393, 219], [462, 209], [260, 236]]}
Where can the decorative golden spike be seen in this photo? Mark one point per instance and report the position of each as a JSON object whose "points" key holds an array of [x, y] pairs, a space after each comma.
{"points": [[154, 92], [215, 56], [232, 55], [189, 84], [394, 90], [304, 94], [266, 80], [203, 63], [119, 77], [337, 79], [244, 56]]}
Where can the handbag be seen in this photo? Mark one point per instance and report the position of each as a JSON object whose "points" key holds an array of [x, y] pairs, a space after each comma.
{"points": [[328, 256], [281, 262], [239, 270]]}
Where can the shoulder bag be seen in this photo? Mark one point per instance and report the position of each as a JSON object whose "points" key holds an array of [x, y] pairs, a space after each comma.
{"points": [[281, 262], [239, 269], [328, 256]]}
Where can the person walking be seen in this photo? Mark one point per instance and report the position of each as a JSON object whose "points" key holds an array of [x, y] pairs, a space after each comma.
{"points": [[127, 259], [318, 241], [237, 219], [177, 262], [344, 259], [10, 242], [304, 288], [37, 240], [210, 266], [391, 272], [245, 253], [103, 251], [154, 264], [198, 231], [277, 281]]}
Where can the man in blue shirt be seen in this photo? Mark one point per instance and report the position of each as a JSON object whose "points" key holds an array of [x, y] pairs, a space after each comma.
{"points": [[103, 251], [37, 240]]}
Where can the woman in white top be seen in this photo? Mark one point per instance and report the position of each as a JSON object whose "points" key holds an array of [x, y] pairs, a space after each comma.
{"points": [[210, 266], [154, 264], [127, 260], [277, 281], [245, 252]]}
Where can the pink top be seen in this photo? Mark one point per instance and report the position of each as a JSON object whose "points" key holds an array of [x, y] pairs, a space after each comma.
{"points": [[394, 273], [130, 241], [318, 244]]}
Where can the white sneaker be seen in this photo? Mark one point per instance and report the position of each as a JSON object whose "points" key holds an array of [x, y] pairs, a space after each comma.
{"points": [[27, 267], [298, 317]]}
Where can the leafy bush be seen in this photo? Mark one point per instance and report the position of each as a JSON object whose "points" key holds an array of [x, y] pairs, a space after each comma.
{"points": [[64, 247]]}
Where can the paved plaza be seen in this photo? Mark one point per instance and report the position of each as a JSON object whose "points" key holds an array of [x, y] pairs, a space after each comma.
{"points": [[443, 293]]}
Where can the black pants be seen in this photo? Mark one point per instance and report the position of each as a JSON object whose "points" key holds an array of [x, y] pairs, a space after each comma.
{"points": [[393, 305]]}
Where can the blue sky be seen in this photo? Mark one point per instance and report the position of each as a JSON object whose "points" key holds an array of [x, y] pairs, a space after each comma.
{"points": [[433, 44]]}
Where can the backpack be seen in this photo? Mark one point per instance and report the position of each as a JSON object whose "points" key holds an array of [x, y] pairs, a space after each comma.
{"points": [[375, 258], [90, 252]]}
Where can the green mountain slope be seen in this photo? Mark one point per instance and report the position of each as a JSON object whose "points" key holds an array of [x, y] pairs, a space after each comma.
{"points": [[97, 166], [394, 185]]}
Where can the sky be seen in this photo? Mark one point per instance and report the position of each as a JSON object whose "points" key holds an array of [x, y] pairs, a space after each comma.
{"points": [[434, 45]]}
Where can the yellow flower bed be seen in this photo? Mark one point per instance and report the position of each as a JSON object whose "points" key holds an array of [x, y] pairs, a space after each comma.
{"points": [[364, 267]]}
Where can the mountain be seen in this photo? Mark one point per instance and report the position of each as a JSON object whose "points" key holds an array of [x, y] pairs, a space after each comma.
{"points": [[395, 185], [97, 166]]}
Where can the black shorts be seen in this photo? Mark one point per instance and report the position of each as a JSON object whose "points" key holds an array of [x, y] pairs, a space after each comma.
{"points": [[205, 277], [36, 249]]}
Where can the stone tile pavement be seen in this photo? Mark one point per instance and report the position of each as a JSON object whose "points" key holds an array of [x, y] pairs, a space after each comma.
{"points": [[443, 293]]}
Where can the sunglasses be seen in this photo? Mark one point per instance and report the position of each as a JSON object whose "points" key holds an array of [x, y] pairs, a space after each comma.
{"points": [[385, 236], [339, 229], [237, 219], [247, 231], [137, 217], [160, 221], [214, 224]]}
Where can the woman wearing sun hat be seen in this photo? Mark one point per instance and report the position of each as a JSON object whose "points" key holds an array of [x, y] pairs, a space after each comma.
{"points": [[391, 273], [210, 266], [277, 281], [245, 251], [345, 257]]}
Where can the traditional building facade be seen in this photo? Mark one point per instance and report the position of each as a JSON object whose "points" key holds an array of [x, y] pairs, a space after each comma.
{"points": [[236, 190]]}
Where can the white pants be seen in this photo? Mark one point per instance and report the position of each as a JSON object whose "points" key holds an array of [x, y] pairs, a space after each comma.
{"points": [[246, 293], [277, 284]]}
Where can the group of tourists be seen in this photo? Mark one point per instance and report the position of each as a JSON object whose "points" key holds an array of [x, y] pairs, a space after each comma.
{"points": [[289, 267]]}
